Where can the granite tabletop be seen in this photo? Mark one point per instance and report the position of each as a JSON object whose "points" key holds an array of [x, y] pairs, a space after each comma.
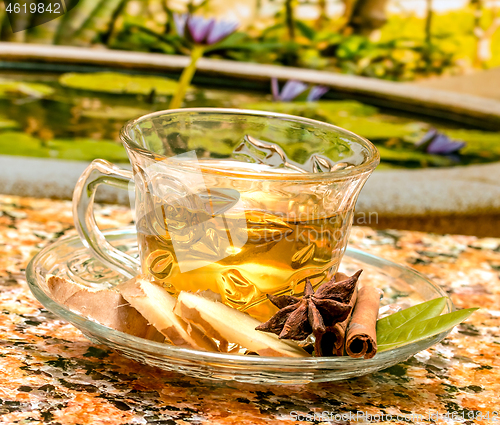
{"points": [[51, 374]]}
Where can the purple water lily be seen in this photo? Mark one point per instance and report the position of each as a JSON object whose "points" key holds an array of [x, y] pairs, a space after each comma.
{"points": [[438, 143], [316, 92], [293, 88], [203, 31]]}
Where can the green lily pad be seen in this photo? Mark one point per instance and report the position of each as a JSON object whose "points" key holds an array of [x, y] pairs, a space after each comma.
{"points": [[413, 157], [482, 143], [345, 107], [221, 146], [115, 82], [349, 114], [10, 88], [389, 166], [322, 109], [22, 144], [114, 113], [6, 123], [87, 150], [375, 129], [303, 109]]}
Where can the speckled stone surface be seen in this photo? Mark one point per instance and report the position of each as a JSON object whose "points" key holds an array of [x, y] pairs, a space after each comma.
{"points": [[50, 374]]}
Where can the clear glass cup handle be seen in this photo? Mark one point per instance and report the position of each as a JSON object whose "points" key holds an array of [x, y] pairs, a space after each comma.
{"points": [[99, 172]]}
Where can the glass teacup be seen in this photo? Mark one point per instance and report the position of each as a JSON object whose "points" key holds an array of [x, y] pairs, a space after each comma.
{"points": [[242, 203]]}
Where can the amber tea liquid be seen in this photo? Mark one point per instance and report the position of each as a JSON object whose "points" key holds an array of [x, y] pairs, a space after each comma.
{"points": [[278, 253]]}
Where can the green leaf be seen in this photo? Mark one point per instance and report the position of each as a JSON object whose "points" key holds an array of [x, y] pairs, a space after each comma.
{"points": [[306, 30], [414, 314], [412, 332], [241, 41], [115, 82], [251, 46], [9, 88]]}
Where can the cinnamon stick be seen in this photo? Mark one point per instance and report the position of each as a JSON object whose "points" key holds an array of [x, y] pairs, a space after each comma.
{"points": [[361, 333], [340, 329]]}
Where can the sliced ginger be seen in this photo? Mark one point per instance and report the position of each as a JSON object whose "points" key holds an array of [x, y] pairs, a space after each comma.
{"points": [[105, 306], [192, 321], [157, 305], [225, 323]]}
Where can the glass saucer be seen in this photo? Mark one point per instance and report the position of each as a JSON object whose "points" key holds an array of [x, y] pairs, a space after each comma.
{"points": [[70, 259]]}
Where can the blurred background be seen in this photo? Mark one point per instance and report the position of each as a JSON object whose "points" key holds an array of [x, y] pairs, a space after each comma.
{"points": [[392, 39], [419, 78]]}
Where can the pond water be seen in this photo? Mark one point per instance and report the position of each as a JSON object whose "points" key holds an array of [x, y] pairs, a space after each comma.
{"points": [[78, 117]]}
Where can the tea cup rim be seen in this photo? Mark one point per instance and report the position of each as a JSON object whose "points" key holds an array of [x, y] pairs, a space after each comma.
{"points": [[367, 166]]}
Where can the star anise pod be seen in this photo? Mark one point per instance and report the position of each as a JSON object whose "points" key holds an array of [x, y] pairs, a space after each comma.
{"points": [[314, 312]]}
